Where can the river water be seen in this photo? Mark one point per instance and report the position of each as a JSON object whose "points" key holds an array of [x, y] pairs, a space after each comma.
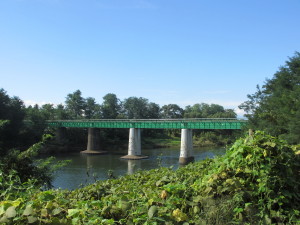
{"points": [[86, 169]]}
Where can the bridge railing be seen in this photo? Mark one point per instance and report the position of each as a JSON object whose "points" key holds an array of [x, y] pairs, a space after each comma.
{"points": [[153, 120], [188, 123]]}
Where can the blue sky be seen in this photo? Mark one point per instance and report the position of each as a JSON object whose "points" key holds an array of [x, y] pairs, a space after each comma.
{"points": [[168, 51]]}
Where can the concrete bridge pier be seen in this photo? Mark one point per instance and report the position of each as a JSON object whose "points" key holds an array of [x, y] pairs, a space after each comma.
{"points": [[186, 148], [134, 145], [93, 145]]}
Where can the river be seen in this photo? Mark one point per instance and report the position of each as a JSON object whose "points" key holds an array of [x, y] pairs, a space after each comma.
{"points": [[86, 169]]}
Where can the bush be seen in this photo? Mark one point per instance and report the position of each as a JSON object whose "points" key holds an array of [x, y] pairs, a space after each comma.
{"points": [[22, 167], [255, 182], [261, 176]]}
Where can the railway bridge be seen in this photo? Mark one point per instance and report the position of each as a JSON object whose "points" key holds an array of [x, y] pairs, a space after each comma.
{"points": [[135, 125]]}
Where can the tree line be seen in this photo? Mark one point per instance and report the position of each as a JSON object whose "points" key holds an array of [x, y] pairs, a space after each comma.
{"points": [[24, 125], [78, 107]]}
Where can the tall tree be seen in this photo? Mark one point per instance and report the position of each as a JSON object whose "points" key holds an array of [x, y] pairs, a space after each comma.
{"points": [[48, 111], [75, 104], [91, 109], [140, 108], [61, 113], [11, 111], [204, 110], [171, 111], [153, 111], [36, 123], [136, 108], [111, 106], [275, 107]]}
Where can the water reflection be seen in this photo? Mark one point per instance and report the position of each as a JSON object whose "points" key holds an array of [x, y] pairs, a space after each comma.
{"points": [[86, 169], [133, 165]]}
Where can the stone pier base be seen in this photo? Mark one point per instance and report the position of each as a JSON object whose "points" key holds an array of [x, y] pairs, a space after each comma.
{"points": [[93, 152], [184, 161], [134, 157]]}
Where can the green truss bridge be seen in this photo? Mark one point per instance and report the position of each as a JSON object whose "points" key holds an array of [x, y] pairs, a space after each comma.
{"points": [[135, 125], [210, 123]]}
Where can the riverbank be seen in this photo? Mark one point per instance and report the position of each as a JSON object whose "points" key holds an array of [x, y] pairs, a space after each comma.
{"points": [[255, 182]]}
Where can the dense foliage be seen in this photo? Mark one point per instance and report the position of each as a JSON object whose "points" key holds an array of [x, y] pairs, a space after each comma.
{"points": [[17, 167], [255, 182], [208, 111], [77, 107], [22, 127], [275, 107], [11, 121], [25, 126], [20, 166]]}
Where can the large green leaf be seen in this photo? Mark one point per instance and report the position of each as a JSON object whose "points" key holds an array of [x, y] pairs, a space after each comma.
{"points": [[11, 212]]}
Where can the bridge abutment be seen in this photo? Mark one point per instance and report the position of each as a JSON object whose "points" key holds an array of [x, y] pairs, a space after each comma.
{"points": [[186, 147], [93, 145], [134, 145]]}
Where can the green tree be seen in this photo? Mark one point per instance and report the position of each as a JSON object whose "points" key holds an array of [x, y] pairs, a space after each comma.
{"points": [[61, 113], [35, 126], [171, 111], [19, 166], [140, 108], [91, 109], [111, 106], [205, 110], [153, 111], [136, 108], [211, 110], [48, 111], [225, 113], [36, 117], [194, 111], [275, 106], [11, 111], [75, 104]]}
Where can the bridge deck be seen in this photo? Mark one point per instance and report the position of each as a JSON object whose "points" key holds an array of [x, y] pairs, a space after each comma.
{"points": [[210, 123]]}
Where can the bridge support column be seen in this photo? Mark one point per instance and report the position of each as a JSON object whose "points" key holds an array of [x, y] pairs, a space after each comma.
{"points": [[186, 148], [134, 145], [93, 146]]}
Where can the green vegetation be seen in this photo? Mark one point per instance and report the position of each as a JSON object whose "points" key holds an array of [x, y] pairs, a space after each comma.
{"points": [[21, 167], [200, 139], [25, 126], [275, 107], [255, 182], [78, 107], [11, 122], [161, 142]]}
